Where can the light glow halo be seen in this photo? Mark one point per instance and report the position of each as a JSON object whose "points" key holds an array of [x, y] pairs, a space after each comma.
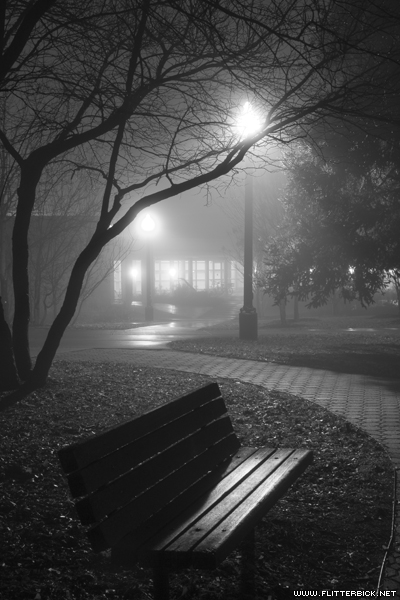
{"points": [[249, 122]]}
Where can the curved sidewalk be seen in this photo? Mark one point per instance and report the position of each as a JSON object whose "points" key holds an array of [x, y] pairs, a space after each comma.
{"points": [[370, 403]]}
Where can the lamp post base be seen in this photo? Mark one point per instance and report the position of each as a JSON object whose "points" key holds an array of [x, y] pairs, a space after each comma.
{"points": [[148, 313], [248, 325]]}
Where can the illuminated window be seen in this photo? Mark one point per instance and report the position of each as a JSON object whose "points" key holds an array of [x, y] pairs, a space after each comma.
{"points": [[135, 275], [199, 274], [216, 274]]}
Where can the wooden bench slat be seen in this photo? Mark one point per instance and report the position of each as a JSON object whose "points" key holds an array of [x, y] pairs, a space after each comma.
{"points": [[224, 538], [111, 530], [122, 490], [166, 520], [206, 502], [215, 512], [79, 455], [113, 465]]}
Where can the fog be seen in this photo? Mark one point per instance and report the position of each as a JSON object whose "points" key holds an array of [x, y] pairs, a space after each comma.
{"points": [[203, 221]]}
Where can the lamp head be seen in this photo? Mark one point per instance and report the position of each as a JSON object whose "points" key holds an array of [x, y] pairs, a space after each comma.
{"points": [[249, 122], [148, 224]]}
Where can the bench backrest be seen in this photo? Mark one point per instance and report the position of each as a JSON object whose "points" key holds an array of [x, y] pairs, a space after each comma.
{"points": [[130, 472]]}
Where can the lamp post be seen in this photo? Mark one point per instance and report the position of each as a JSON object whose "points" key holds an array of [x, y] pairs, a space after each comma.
{"points": [[249, 123], [248, 320], [148, 226]]}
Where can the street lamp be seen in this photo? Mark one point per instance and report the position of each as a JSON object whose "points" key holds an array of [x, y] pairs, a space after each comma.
{"points": [[148, 226], [249, 124]]}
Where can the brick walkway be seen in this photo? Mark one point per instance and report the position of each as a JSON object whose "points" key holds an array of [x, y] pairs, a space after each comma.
{"points": [[372, 404]]}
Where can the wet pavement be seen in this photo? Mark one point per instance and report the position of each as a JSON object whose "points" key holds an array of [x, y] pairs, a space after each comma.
{"points": [[155, 335]]}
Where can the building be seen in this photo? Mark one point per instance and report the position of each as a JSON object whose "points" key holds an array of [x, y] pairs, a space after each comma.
{"points": [[188, 250]]}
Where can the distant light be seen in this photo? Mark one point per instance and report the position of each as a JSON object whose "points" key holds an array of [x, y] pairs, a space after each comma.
{"points": [[172, 272], [133, 273], [148, 224]]}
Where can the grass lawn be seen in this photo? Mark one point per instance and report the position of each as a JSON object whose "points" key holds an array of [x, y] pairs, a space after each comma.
{"points": [[359, 344]]}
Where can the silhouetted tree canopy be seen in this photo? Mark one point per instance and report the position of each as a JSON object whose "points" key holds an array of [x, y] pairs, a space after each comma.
{"points": [[342, 220]]}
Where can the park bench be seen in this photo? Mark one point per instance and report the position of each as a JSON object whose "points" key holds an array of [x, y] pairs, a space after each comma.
{"points": [[173, 487]]}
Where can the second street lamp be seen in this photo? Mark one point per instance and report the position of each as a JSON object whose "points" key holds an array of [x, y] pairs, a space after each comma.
{"points": [[148, 226], [248, 320]]}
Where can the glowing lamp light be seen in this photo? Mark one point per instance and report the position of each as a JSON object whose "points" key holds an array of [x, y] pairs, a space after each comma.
{"points": [[148, 224], [249, 122]]}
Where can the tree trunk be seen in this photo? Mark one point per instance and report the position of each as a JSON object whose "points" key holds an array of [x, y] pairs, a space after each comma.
{"points": [[30, 175], [46, 355], [37, 287], [296, 308], [282, 311], [8, 371], [5, 297], [398, 297], [335, 304]]}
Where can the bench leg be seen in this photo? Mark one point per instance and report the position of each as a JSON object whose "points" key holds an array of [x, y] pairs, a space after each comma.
{"points": [[247, 581], [161, 583]]}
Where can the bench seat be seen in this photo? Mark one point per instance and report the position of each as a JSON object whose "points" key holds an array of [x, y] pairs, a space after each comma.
{"points": [[174, 488]]}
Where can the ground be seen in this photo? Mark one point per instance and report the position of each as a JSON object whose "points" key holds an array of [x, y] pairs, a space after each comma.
{"points": [[329, 532], [353, 344]]}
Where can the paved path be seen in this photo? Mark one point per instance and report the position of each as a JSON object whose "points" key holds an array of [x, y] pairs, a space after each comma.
{"points": [[372, 404]]}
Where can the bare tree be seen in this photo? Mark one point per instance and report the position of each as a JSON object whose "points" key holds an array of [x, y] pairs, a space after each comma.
{"points": [[8, 176], [8, 194], [63, 223], [145, 93]]}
